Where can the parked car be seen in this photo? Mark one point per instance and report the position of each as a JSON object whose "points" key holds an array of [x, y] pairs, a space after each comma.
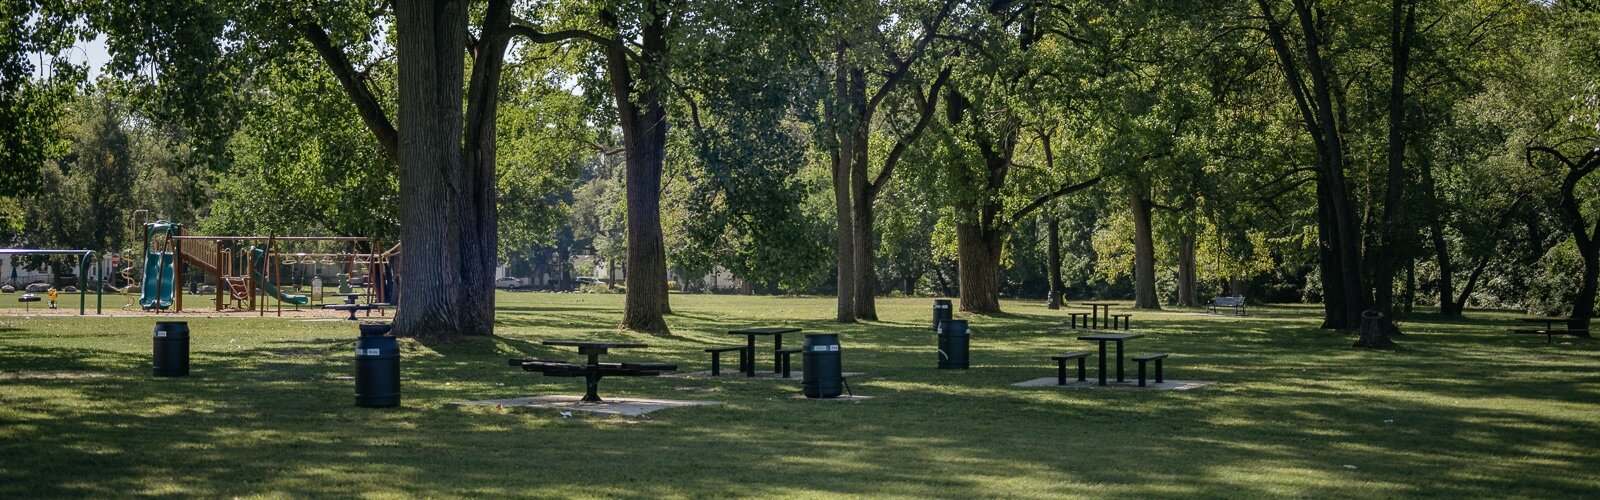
{"points": [[589, 280], [508, 282]]}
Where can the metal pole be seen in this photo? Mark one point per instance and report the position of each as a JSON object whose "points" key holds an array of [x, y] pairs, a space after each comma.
{"points": [[83, 282]]}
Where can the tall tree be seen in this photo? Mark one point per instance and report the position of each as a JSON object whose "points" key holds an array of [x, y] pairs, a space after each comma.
{"points": [[878, 53], [1339, 228], [430, 39]]}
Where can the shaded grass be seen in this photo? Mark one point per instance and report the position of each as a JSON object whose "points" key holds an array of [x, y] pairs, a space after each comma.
{"points": [[1461, 410]]}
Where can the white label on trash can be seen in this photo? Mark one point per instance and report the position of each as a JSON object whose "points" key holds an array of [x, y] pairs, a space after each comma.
{"points": [[372, 352], [361, 352], [820, 348], [833, 348], [161, 334]]}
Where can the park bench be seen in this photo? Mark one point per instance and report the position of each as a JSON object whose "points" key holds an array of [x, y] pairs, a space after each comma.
{"points": [[783, 358], [1074, 319], [1235, 303], [1549, 334], [716, 357], [1061, 366], [1124, 317], [1142, 358]]}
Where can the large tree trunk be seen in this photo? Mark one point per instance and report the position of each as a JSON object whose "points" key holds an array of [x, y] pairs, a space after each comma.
{"points": [[978, 257], [1338, 224], [644, 132], [1447, 287], [1144, 256], [480, 238], [1409, 298], [844, 232], [1583, 305], [1376, 331], [1333, 293], [431, 37], [1387, 251], [1187, 296], [1054, 263], [865, 271], [866, 279]]}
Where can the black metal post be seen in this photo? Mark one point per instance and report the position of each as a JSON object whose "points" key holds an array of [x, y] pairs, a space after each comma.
{"points": [[1119, 361], [750, 363], [777, 345], [1102, 362], [592, 381], [1061, 372]]}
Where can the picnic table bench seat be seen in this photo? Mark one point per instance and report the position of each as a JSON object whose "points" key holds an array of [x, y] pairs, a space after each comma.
{"points": [[716, 357], [1074, 316], [1158, 357], [1061, 365], [1122, 316], [784, 356]]}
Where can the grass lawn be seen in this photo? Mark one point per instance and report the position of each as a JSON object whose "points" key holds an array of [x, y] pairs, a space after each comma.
{"points": [[1463, 409]]}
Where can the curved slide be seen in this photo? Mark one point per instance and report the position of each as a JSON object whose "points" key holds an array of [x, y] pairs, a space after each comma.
{"points": [[271, 288], [157, 271]]}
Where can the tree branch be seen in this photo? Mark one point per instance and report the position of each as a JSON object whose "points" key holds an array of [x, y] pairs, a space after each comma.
{"points": [[1040, 201], [354, 85]]}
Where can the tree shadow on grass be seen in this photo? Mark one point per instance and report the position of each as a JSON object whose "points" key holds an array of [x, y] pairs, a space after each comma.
{"points": [[1293, 411]]}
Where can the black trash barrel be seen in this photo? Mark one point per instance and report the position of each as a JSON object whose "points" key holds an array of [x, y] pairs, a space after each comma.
{"points": [[377, 368], [824, 375], [953, 343], [171, 357], [941, 312]]}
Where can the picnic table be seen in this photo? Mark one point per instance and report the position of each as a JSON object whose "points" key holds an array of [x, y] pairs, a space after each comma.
{"points": [[1550, 331], [593, 370], [1102, 338], [750, 342], [353, 307], [1549, 323], [1094, 313]]}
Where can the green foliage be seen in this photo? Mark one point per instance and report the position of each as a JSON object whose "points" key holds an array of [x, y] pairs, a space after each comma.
{"points": [[303, 164]]}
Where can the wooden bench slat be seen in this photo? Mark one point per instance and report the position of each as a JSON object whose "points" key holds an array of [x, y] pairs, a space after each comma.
{"points": [[1071, 355], [1153, 355]]}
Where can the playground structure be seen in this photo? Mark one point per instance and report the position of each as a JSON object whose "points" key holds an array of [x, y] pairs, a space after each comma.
{"points": [[248, 269]]}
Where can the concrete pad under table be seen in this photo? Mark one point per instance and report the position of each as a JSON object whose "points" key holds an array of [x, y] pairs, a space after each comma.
{"points": [[738, 375], [856, 397], [628, 407], [1132, 383]]}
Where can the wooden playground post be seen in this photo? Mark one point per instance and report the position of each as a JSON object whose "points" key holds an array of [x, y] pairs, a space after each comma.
{"points": [[277, 274], [221, 268], [250, 278], [377, 270], [177, 271]]}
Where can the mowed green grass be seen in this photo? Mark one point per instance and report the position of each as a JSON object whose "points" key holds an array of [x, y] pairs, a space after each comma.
{"points": [[1463, 409]]}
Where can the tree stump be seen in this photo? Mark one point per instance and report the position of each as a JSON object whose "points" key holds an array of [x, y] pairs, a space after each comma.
{"points": [[1376, 330]]}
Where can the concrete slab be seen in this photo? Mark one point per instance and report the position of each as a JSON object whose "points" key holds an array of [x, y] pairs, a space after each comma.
{"points": [[628, 407], [760, 375], [857, 397], [1132, 383]]}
